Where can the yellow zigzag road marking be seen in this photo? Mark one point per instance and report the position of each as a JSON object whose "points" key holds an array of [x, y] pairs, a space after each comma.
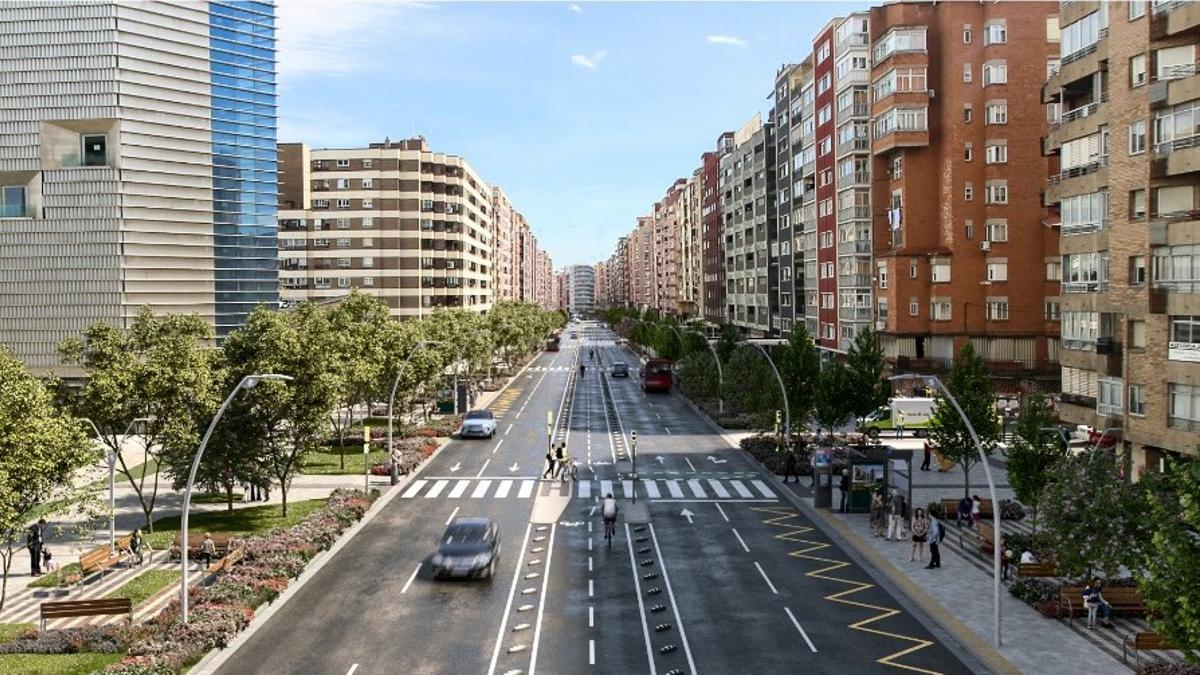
{"points": [[792, 535]]}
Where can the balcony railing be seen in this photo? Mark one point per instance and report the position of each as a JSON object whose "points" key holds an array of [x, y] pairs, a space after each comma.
{"points": [[855, 281], [1161, 7], [1077, 171], [1084, 286], [1184, 143], [854, 145], [1179, 72], [1079, 344], [1081, 112], [1183, 424], [854, 246], [1083, 228], [1183, 286], [1080, 53], [854, 213]]}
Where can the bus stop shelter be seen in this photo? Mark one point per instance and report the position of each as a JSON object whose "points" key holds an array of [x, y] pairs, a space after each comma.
{"points": [[873, 468]]}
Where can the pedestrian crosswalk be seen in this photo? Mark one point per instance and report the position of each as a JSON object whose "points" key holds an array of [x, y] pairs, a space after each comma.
{"points": [[654, 489], [548, 369]]}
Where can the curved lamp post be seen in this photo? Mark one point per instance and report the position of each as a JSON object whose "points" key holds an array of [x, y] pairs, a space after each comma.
{"points": [[248, 382], [998, 539], [787, 411], [111, 458], [392, 469]]}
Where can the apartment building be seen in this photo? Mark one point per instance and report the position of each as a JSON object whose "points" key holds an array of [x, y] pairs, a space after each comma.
{"points": [[544, 295], [527, 260], [642, 274], [1126, 98], [786, 258], [137, 166], [747, 179], [504, 282], [580, 282], [691, 296], [396, 219], [602, 284], [960, 238], [667, 216], [713, 238]]}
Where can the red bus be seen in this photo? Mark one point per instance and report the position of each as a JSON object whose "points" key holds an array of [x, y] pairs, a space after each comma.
{"points": [[657, 375]]}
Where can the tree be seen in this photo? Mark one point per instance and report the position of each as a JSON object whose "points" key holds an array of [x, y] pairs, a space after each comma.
{"points": [[970, 385], [698, 376], [800, 368], [865, 368], [831, 400], [1034, 453], [750, 386], [727, 342], [666, 342], [160, 375], [40, 450], [357, 325], [693, 343], [1167, 575], [463, 340]]}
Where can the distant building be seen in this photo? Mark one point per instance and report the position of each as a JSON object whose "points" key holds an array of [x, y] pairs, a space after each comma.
{"points": [[580, 281]]}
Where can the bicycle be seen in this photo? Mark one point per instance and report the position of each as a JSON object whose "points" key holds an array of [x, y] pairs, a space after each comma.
{"points": [[568, 469], [610, 529]]}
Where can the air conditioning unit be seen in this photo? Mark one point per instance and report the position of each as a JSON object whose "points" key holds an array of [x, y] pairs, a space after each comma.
{"points": [[985, 246], [932, 93]]}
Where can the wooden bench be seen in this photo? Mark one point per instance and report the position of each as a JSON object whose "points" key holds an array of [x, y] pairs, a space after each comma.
{"points": [[75, 608], [1144, 641], [96, 560], [227, 562], [1037, 569], [950, 509], [1127, 599], [220, 540]]}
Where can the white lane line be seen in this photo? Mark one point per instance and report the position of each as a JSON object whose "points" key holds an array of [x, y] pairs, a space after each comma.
{"points": [[414, 489], [762, 487], [518, 415], [488, 461], [667, 429], [410, 580], [452, 514], [591, 652], [459, 488], [591, 616], [591, 588], [718, 488], [741, 489], [537, 629], [436, 489], [481, 489], [352, 669], [697, 489], [511, 592], [741, 541], [689, 463], [718, 505], [499, 443], [526, 489], [658, 416], [502, 490], [764, 576], [627, 488], [662, 563], [637, 584], [651, 488], [801, 629], [673, 487], [506, 432]]}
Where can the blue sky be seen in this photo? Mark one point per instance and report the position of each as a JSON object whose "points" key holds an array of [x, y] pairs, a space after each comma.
{"points": [[584, 113]]}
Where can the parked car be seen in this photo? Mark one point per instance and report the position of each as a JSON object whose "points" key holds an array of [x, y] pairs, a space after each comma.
{"points": [[620, 369], [478, 424], [470, 548]]}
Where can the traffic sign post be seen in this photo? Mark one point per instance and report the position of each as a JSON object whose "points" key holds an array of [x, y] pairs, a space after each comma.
{"points": [[633, 461], [550, 431], [778, 436], [366, 459]]}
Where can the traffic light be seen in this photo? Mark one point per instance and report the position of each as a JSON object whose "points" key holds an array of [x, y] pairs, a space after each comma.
{"points": [[633, 438]]}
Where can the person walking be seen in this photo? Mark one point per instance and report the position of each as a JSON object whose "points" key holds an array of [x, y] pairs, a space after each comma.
{"points": [[896, 511], [790, 467], [936, 532], [899, 423], [550, 464], [560, 460], [976, 502], [920, 531], [845, 490], [208, 550], [877, 514], [35, 540], [927, 457]]}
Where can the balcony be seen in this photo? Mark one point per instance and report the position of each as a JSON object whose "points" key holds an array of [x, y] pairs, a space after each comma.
{"points": [[854, 213], [856, 179], [1082, 228], [1179, 156], [858, 314], [1183, 424], [1077, 180], [1172, 18], [853, 145], [855, 281], [854, 246], [1084, 286], [1177, 85]]}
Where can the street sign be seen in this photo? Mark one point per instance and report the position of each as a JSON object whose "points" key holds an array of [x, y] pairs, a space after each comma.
{"points": [[822, 458]]}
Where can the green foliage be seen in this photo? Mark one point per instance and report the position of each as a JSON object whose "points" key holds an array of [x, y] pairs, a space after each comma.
{"points": [[40, 450], [865, 369], [698, 376], [463, 339], [750, 387], [831, 400], [727, 342], [516, 328], [57, 664], [693, 342], [242, 522], [145, 585], [358, 326], [1034, 454], [800, 367], [1168, 575], [970, 385]]}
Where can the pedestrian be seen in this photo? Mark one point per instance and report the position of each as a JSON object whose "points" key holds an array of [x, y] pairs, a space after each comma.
{"points": [[790, 467], [928, 456], [1006, 556], [877, 514], [1094, 600], [845, 490], [208, 549], [896, 512], [35, 539], [245, 492], [937, 532], [48, 564], [550, 464], [899, 423], [560, 460], [920, 531], [976, 502], [137, 544], [964, 512]]}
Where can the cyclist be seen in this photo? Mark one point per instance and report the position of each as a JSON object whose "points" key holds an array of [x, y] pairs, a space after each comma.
{"points": [[582, 369], [609, 511], [566, 468]]}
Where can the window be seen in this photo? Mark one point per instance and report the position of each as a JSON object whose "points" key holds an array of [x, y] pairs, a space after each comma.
{"points": [[914, 307], [343, 242], [898, 40], [343, 164], [1177, 267], [939, 309], [997, 112], [1174, 62], [12, 201], [343, 203], [320, 203], [996, 192], [95, 150], [1080, 329], [826, 145], [997, 309], [966, 33], [1178, 123], [1108, 398], [901, 119], [368, 163], [881, 270], [368, 261], [912, 270], [343, 282], [344, 263], [342, 183], [1137, 400], [995, 72], [823, 51], [1185, 330], [368, 242], [897, 167], [1084, 213], [997, 270], [968, 191], [824, 115], [967, 113], [996, 153], [1137, 203], [967, 73], [368, 223], [343, 223], [368, 203], [995, 33], [881, 310], [427, 205], [1052, 310], [1054, 270], [967, 152], [1137, 270], [1137, 334], [320, 243], [827, 301], [1085, 272], [1137, 137], [940, 271], [997, 230], [321, 282], [1137, 70], [1080, 35], [969, 229], [1137, 9], [1176, 200], [368, 281], [367, 183], [1185, 406]]}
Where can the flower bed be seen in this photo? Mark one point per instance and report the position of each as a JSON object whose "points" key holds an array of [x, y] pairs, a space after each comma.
{"points": [[218, 612]]}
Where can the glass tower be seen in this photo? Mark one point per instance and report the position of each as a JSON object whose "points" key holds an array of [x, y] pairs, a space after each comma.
{"points": [[242, 48]]}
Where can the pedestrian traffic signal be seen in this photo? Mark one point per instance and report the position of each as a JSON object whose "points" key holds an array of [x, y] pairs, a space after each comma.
{"points": [[633, 438]]}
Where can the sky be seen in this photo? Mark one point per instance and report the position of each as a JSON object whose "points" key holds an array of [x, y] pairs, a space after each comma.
{"points": [[584, 113]]}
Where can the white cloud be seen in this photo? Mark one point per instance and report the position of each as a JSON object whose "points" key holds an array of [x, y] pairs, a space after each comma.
{"points": [[334, 37], [575, 8], [731, 40], [590, 62]]}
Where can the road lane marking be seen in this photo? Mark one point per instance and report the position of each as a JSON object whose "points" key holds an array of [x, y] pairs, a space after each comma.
{"points": [[436, 489], [410, 580], [722, 512], [637, 584], [651, 488], [689, 463], [591, 616], [414, 489], [585, 489], [452, 514], [762, 487], [662, 563], [627, 488], [591, 588], [352, 669], [696, 489], [801, 629], [512, 591], [500, 442], [486, 462], [667, 429], [459, 488], [526, 489], [605, 488], [502, 490], [741, 489], [718, 488], [481, 489], [537, 626], [764, 576], [673, 487], [741, 541], [591, 652], [510, 425]]}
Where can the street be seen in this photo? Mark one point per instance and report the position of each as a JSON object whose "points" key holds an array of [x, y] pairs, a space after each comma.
{"points": [[712, 569]]}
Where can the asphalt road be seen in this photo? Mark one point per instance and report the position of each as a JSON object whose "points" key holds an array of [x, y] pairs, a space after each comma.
{"points": [[712, 569]]}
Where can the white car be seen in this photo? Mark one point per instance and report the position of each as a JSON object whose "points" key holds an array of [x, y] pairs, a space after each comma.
{"points": [[478, 424]]}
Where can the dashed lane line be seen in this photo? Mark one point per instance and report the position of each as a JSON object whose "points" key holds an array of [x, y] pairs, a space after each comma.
{"points": [[801, 629], [511, 592]]}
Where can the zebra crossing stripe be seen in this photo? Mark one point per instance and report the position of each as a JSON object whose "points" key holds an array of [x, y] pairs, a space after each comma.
{"points": [[459, 489], [605, 488], [651, 488], [585, 489], [526, 489], [673, 487], [436, 489], [741, 489], [503, 488], [414, 489], [762, 487], [627, 488], [718, 488], [697, 490], [481, 489]]}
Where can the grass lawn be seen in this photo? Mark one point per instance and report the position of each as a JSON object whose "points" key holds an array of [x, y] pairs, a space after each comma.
{"points": [[328, 462], [56, 664], [9, 631], [52, 580], [138, 472], [250, 520], [145, 585]]}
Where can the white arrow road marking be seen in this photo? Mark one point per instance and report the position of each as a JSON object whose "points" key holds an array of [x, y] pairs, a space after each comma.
{"points": [[513, 467], [456, 467], [714, 460], [688, 514], [659, 459]]}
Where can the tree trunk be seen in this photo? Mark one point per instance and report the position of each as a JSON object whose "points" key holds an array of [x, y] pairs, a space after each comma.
{"points": [[283, 492], [966, 464], [229, 497], [7, 562]]}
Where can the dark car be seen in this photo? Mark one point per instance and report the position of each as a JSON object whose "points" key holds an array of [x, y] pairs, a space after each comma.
{"points": [[620, 369], [470, 548]]}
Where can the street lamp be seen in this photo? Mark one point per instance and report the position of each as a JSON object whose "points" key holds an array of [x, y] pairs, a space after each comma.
{"points": [[462, 354], [787, 410], [392, 468], [248, 382], [111, 459], [998, 539]]}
